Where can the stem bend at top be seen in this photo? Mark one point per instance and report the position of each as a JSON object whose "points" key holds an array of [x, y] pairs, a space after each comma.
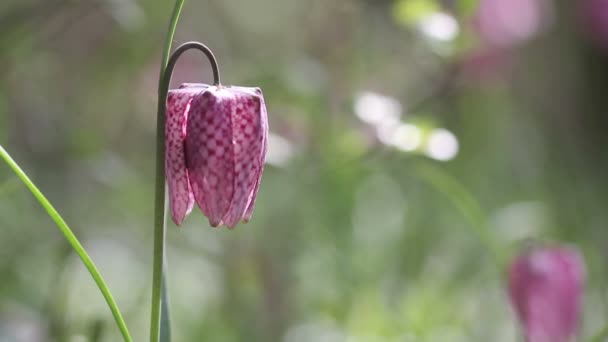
{"points": [[187, 46]]}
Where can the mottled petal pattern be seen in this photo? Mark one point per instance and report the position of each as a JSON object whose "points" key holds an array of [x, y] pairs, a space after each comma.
{"points": [[180, 194], [210, 153], [546, 286], [223, 134], [247, 143], [261, 157]]}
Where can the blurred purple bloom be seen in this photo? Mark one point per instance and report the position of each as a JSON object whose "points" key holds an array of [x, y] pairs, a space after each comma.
{"points": [[594, 19], [503, 23], [545, 288], [216, 141]]}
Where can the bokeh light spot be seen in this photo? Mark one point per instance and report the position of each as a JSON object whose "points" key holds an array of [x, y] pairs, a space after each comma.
{"points": [[439, 26], [442, 145]]}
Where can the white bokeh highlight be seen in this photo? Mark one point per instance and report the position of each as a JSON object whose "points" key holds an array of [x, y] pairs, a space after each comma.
{"points": [[407, 137], [376, 109], [439, 26], [442, 145]]}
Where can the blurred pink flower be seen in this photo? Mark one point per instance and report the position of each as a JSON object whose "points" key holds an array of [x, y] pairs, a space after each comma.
{"points": [[594, 20], [503, 23], [546, 287], [216, 142]]}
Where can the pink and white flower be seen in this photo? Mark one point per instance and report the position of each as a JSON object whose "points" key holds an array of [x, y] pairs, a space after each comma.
{"points": [[215, 148]]}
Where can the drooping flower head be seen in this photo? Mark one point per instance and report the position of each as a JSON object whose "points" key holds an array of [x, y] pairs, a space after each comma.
{"points": [[216, 139], [545, 288]]}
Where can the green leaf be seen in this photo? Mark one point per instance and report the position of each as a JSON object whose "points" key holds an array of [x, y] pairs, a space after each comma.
{"points": [[71, 238]]}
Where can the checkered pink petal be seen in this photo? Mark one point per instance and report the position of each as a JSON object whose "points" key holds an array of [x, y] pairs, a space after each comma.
{"points": [[248, 127], [216, 142], [261, 156], [210, 152], [546, 287], [180, 194]]}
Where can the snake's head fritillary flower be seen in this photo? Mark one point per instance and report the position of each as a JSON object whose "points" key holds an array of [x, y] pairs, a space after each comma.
{"points": [[545, 288], [215, 143]]}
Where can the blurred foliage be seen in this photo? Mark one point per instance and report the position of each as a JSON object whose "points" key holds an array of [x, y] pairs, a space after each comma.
{"points": [[413, 11], [368, 226]]}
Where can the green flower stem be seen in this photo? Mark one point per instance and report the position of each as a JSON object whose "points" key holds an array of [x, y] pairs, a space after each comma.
{"points": [[468, 206], [159, 195], [165, 319], [69, 235]]}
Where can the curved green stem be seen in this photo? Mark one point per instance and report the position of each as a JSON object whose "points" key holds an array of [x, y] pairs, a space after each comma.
{"points": [[466, 203], [177, 54], [159, 194], [69, 235]]}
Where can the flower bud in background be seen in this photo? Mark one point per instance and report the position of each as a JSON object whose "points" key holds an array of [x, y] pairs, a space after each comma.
{"points": [[546, 289], [501, 26], [216, 142], [594, 21], [505, 23]]}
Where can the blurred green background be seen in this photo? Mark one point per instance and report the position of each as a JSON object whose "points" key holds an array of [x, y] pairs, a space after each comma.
{"points": [[415, 145]]}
